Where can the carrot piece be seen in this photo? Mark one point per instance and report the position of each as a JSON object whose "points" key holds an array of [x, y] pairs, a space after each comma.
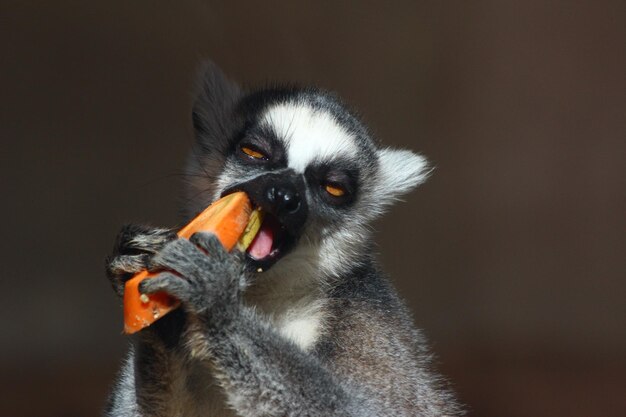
{"points": [[227, 218]]}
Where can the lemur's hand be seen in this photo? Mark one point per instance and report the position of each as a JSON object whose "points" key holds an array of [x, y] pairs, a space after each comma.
{"points": [[201, 274], [134, 247]]}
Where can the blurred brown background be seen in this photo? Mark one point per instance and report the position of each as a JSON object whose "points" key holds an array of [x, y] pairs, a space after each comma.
{"points": [[512, 256]]}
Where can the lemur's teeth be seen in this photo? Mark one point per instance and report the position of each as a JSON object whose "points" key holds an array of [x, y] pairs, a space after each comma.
{"points": [[253, 227]]}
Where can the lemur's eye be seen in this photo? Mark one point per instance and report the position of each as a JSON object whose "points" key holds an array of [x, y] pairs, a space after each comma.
{"points": [[253, 152], [335, 190]]}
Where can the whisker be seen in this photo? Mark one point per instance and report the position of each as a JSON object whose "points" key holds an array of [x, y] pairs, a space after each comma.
{"points": [[190, 198], [194, 150], [162, 177]]}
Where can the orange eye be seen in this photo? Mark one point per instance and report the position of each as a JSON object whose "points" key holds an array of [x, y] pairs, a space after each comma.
{"points": [[335, 190], [252, 153]]}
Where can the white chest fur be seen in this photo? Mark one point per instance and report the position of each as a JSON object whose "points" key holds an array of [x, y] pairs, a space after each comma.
{"points": [[302, 322], [290, 296]]}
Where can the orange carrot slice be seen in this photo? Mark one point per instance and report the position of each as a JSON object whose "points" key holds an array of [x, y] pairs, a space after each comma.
{"points": [[226, 218]]}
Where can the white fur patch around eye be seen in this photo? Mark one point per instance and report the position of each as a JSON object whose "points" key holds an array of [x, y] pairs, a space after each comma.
{"points": [[309, 134]]}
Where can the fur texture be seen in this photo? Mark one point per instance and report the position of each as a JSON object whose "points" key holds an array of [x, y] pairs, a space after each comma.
{"points": [[319, 333]]}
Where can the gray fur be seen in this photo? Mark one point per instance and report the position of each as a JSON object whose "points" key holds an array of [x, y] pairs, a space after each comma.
{"points": [[322, 332]]}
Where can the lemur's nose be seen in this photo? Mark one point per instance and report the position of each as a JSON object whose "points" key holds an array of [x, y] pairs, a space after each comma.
{"points": [[281, 194], [285, 198]]}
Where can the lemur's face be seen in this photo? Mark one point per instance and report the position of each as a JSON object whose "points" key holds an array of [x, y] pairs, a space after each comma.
{"points": [[309, 164], [308, 173]]}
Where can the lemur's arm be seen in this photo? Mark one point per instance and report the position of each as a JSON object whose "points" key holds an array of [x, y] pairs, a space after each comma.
{"points": [[255, 365], [142, 385], [262, 373]]}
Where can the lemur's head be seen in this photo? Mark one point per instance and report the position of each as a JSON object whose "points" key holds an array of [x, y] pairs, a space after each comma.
{"points": [[303, 157]]}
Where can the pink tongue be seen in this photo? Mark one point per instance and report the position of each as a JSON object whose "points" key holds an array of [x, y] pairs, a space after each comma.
{"points": [[261, 246]]}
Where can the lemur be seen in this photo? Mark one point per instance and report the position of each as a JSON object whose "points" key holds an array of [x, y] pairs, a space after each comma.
{"points": [[304, 323]]}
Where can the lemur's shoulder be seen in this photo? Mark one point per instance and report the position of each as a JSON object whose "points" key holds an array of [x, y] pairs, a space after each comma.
{"points": [[366, 300], [371, 341], [366, 283]]}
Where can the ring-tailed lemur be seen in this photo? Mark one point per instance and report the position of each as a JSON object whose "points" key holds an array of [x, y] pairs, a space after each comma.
{"points": [[320, 331]]}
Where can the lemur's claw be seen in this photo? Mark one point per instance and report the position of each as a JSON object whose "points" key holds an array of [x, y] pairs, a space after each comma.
{"points": [[167, 282], [205, 276], [134, 246]]}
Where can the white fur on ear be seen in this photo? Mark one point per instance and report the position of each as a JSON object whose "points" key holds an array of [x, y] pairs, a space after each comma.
{"points": [[400, 171]]}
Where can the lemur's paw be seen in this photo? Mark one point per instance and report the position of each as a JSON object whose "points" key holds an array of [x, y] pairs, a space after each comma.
{"points": [[199, 272], [134, 246]]}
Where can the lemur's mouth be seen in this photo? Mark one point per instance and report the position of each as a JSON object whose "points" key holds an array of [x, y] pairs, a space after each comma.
{"points": [[270, 244], [280, 225]]}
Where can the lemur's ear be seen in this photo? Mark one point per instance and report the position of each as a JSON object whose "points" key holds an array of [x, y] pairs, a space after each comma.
{"points": [[215, 99], [399, 171]]}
